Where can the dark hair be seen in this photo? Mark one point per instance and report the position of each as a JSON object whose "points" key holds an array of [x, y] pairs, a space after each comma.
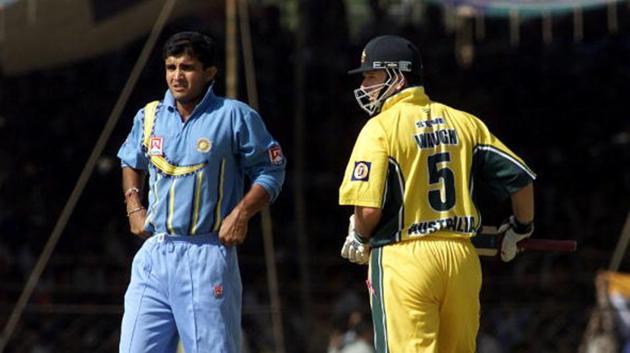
{"points": [[195, 44]]}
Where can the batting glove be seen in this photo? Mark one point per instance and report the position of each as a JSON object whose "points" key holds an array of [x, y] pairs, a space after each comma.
{"points": [[355, 248], [513, 232]]}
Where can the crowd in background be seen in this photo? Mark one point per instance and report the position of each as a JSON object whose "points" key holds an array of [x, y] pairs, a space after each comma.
{"points": [[561, 106]]}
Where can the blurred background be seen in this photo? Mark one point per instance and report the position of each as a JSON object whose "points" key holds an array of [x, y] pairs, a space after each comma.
{"points": [[550, 78]]}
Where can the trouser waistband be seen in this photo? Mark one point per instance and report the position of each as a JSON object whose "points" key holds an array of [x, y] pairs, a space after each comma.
{"points": [[212, 238]]}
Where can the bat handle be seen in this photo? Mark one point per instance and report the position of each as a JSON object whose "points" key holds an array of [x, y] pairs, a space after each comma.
{"points": [[547, 245]]}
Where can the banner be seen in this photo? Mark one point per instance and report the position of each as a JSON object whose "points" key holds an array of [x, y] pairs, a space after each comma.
{"points": [[503, 8], [38, 34]]}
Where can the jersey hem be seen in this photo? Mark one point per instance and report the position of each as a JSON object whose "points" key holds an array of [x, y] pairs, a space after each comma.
{"points": [[363, 203]]}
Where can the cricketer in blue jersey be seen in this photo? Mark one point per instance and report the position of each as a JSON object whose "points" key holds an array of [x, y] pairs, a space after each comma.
{"points": [[197, 148]]}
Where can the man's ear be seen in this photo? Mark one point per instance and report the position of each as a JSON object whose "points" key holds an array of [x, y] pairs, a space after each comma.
{"points": [[210, 71]]}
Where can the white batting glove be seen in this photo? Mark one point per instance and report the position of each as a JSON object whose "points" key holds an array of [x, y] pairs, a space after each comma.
{"points": [[355, 248], [513, 232]]}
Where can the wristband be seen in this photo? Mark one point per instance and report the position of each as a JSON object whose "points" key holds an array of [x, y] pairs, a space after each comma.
{"points": [[360, 238], [131, 190], [130, 212], [521, 228]]}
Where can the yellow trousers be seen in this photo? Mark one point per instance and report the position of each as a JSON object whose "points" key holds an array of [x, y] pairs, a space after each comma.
{"points": [[424, 296]]}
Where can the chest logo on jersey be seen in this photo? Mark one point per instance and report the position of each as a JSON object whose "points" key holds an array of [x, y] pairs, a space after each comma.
{"points": [[361, 171], [275, 155], [204, 145], [156, 146]]}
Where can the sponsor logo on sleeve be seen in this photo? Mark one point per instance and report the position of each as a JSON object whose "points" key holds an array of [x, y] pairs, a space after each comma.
{"points": [[275, 155], [361, 171]]}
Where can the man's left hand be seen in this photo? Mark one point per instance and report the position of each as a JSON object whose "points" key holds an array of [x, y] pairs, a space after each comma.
{"points": [[234, 228], [513, 232]]}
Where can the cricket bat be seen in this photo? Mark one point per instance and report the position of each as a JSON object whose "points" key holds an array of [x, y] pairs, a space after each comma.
{"points": [[488, 243]]}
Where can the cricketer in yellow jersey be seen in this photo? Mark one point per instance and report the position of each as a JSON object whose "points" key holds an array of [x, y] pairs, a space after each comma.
{"points": [[410, 179]]}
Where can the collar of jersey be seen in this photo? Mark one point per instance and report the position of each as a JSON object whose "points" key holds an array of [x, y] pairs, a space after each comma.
{"points": [[413, 95], [169, 100]]}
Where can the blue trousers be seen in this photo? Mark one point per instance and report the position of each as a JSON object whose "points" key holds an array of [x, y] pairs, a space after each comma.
{"points": [[187, 287]]}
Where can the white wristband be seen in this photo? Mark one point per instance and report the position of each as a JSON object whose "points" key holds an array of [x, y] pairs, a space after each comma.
{"points": [[131, 190]]}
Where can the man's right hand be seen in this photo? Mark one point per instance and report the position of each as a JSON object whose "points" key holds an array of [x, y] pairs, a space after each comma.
{"points": [[136, 213], [136, 223], [355, 248], [132, 183]]}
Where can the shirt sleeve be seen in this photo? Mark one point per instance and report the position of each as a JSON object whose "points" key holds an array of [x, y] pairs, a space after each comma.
{"points": [[260, 155], [496, 166], [132, 153], [364, 179]]}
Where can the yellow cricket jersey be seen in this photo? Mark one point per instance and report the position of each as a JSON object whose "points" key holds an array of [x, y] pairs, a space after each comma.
{"points": [[418, 161]]}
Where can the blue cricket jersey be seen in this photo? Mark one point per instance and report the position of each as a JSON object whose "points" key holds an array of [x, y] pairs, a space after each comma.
{"points": [[199, 177]]}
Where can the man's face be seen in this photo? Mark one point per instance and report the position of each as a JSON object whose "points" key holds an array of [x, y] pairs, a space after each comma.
{"points": [[373, 78], [186, 77]]}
